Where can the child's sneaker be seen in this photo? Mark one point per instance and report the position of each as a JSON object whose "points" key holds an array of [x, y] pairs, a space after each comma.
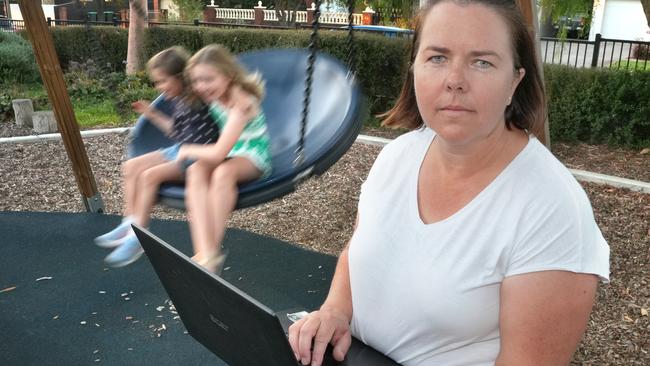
{"points": [[128, 252], [114, 237]]}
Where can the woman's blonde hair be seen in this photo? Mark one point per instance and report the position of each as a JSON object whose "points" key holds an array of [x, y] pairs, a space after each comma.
{"points": [[219, 57]]}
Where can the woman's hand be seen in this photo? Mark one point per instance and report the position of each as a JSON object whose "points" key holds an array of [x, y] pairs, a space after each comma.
{"points": [[140, 106], [322, 327]]}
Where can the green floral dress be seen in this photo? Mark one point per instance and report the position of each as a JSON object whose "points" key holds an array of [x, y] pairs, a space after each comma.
{"points": [[253, 143]]}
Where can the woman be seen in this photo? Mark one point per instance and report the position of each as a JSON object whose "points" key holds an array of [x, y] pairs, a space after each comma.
{"points": [[473, 244]]}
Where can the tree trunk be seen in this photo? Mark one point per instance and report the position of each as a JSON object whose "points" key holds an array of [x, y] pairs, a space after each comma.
{"points": [[7, 9], [137, 23]]}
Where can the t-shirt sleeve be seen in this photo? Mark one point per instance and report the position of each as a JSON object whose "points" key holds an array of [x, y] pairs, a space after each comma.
{"points": [[559, 234], [380, 171]]}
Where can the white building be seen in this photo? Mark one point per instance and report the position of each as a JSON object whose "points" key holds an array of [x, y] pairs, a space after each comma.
{"points": [[619, 19], [14, 10]]}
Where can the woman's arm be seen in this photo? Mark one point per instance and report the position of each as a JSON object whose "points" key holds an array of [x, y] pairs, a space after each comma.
{"points": [[330, 324], [543, 316], [159, 119]]}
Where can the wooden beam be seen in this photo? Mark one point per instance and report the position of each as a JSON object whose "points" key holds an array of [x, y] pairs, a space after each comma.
{"points": [[529, 10], [52, 75]]}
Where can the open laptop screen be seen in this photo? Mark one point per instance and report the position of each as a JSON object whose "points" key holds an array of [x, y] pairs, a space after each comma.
{"points": [[234, 326]]}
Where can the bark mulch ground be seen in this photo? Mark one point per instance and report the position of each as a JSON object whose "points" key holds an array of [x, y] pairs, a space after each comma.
{"points": [[320, 214]]}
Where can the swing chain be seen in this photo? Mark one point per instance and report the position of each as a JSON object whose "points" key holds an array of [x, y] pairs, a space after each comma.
{"points": [[313, 47], [352, 61]]}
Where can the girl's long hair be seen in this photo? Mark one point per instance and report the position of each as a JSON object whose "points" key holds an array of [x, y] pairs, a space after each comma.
{"points": [[220, 58]]}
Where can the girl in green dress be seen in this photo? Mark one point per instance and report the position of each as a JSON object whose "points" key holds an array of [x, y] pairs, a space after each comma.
{"points": [[240, 155]]}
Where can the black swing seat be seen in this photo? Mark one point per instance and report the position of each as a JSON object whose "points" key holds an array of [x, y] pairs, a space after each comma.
{"points": [[336, 113]]}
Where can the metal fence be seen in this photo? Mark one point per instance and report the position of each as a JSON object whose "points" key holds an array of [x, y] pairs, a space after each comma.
{"points": [[602, 52], [10, 25]]}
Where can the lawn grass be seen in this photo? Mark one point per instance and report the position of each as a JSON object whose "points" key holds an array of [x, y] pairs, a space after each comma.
{"points": [[92, 114], [638, 65]]}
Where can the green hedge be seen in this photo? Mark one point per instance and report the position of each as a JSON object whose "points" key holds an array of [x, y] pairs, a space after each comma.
{"points": [[598, 106], [590, 105], [104, 45], [376, 55]]}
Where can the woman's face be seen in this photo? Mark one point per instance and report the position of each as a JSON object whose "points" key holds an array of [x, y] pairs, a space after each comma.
{"points": [[171, 86], [208, 83], [464, 73]]}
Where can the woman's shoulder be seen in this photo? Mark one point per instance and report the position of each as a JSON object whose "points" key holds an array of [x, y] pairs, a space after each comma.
{"points": [[542, 175], [402, 149], [409, 140]]}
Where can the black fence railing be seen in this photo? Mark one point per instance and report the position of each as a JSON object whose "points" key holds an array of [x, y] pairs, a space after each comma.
{"points": [[601, 52], [10, 25]]}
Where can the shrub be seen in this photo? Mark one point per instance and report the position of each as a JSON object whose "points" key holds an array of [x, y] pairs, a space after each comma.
{"points": [[641, 52], [130, 89], [598, 106], [105, 45], [5, 104], [17, 62], [85, 80]]}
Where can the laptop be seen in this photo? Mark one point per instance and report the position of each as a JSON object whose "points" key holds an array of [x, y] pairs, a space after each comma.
{"points": [[231, 324]]}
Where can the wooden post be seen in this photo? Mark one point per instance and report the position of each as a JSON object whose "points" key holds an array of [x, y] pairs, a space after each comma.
{"points": [[52, 75], [529, 10]]}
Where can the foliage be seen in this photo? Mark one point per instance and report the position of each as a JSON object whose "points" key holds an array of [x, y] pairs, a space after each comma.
{"points": [[17, 62], [85, 80], [558, 10], [105, 45], [598, 106], [5, 104], [132, 88], [187, 10], [641, 52]]}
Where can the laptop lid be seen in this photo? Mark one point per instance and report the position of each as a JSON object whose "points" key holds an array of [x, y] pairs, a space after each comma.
{"points": [[231, 324]]}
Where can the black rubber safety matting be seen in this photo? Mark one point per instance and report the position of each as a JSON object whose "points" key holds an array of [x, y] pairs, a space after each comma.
{"points": [[59, 304]]}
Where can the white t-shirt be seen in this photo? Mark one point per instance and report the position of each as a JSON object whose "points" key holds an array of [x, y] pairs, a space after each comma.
{"points": [[428, 294]]}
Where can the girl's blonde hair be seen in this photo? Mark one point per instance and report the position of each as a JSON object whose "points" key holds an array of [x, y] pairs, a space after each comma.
{"points": [[219, 57]]}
